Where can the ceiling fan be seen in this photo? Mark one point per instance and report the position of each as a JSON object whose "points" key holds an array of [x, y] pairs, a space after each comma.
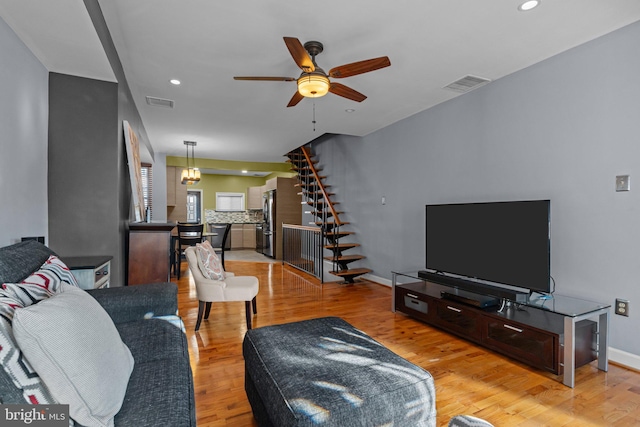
{"points": [[314, 82]]}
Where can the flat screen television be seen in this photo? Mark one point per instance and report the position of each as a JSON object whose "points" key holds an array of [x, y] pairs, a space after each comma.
{"points": [[500, 242]]}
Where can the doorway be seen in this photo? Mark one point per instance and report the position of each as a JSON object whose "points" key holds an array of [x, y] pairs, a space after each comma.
{"points": [[194, 206]]}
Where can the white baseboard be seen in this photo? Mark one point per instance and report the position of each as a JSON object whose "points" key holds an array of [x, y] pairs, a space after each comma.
{"points": [[380, 280], [629, 360]]}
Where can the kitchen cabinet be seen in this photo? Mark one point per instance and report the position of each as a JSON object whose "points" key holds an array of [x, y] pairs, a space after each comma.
{"points": [[271, 184], [176, 195], [171, 186], [254, 197], [249, 236], [236, 236]]}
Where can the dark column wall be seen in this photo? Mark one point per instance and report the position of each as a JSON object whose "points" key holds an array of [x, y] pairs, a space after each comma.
{"points": [[126, 111], [87, 170]]}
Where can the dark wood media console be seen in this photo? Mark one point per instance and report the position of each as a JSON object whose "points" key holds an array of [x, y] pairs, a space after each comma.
{"points": [[532, 335]]}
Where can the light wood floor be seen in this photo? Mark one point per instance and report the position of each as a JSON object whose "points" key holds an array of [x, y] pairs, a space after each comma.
{"points": [[469, 379]]}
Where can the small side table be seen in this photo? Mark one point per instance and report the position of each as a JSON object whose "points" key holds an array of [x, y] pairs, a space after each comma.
{"points": [[91, 272]]}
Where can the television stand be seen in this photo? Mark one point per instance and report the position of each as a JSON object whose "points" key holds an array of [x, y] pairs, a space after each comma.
{"points": [[556, 335]]}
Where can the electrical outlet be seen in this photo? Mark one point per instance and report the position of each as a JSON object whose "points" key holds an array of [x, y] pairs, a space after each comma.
{"points": [[622, 307]]}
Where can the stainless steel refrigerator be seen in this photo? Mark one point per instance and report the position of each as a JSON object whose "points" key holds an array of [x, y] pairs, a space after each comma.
{"points": [[269, 226]]}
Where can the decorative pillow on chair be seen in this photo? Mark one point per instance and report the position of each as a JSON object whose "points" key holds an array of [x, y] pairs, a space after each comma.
{"points": [[208, 261], [42, 284], [76, 349]]}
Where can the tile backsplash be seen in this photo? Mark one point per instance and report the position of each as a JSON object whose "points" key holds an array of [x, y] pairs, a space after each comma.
{"points": [[251, 216]]}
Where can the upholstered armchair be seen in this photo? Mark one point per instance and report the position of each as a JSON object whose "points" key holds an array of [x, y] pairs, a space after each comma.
{"points": [[232, 288]]}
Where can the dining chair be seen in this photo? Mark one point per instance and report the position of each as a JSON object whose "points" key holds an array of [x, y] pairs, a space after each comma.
{"points": [[220, 244], [188, 235]]}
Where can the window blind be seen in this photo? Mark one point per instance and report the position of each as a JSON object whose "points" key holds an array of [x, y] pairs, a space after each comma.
{"points": [[147, 186]]}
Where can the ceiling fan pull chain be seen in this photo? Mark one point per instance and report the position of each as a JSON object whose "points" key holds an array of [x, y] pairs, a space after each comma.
{"points": [[314, 117]]}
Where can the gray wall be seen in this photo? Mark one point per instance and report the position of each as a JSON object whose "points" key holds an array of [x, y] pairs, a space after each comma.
{"points": [[85, 170], [23, 144], [561, 129]]}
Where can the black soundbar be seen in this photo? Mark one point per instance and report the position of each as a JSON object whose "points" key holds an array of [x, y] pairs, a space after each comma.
{"points": [[476, 287]]}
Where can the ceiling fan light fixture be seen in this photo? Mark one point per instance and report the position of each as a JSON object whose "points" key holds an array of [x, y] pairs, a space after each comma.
{"points": [[313, 85]]}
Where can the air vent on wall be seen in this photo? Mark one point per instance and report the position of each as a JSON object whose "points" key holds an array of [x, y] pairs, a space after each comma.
{"points": [[467, 83], [159, 102]]}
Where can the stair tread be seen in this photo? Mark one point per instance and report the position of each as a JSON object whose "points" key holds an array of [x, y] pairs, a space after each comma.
{"points": [[343, 245], [351, 272], [300, 159], [313, 184], [345, 258], [319, 193], [339, 233], [311, 203], [304, 168]]}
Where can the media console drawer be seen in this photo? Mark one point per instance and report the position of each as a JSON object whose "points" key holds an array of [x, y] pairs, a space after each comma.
{"points": [[413, 303], [458, 318], [521, 342]]}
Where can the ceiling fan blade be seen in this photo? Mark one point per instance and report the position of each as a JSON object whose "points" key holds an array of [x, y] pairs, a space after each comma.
{"points": [[299, 54], [346, 92], [268, 79], [359, 67], [295, 99]]}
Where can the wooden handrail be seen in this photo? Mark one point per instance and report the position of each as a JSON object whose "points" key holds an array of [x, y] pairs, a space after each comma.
{"points": [[321, 185], [300, 227]]}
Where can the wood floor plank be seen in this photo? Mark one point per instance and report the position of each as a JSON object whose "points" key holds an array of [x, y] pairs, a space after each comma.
{"points": [[469, 379]]}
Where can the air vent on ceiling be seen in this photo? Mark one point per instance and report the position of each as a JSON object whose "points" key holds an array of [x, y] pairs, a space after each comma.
{"points": [[159, 102], [467, 83]]}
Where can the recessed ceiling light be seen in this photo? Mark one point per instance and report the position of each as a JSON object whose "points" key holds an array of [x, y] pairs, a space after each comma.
{"points": [[528, 5], [174, 82], [350, 110]]}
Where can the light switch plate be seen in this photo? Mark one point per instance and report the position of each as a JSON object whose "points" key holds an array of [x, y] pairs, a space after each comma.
{"points": [[623, 183]]}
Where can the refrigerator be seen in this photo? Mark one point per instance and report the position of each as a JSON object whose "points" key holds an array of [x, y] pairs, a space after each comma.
{"points": [[269, 225]]}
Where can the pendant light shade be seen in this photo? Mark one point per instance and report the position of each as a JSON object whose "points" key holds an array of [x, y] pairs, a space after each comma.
{"points": [[191, 174]]}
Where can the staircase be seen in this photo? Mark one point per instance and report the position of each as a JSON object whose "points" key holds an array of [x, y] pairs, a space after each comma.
{"points": [[315, 193]]}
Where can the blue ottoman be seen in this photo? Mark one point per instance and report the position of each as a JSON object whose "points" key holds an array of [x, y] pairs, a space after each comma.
{"points": [[325, 372]]}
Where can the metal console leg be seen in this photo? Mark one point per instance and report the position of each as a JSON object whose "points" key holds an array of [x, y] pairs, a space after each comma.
{"points": [[568, 377]]}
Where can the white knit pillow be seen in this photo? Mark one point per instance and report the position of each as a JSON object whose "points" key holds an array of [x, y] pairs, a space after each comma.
{"points": [[76, 349]]}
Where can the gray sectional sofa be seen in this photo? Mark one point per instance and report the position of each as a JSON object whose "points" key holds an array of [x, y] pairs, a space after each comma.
{"points": [[160, 388]]}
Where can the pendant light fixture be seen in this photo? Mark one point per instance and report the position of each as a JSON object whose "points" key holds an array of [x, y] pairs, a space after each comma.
{"points": [[191, 174]]}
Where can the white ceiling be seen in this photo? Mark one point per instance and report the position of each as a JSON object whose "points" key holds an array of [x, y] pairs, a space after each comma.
{"points": [[205, 43]]}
